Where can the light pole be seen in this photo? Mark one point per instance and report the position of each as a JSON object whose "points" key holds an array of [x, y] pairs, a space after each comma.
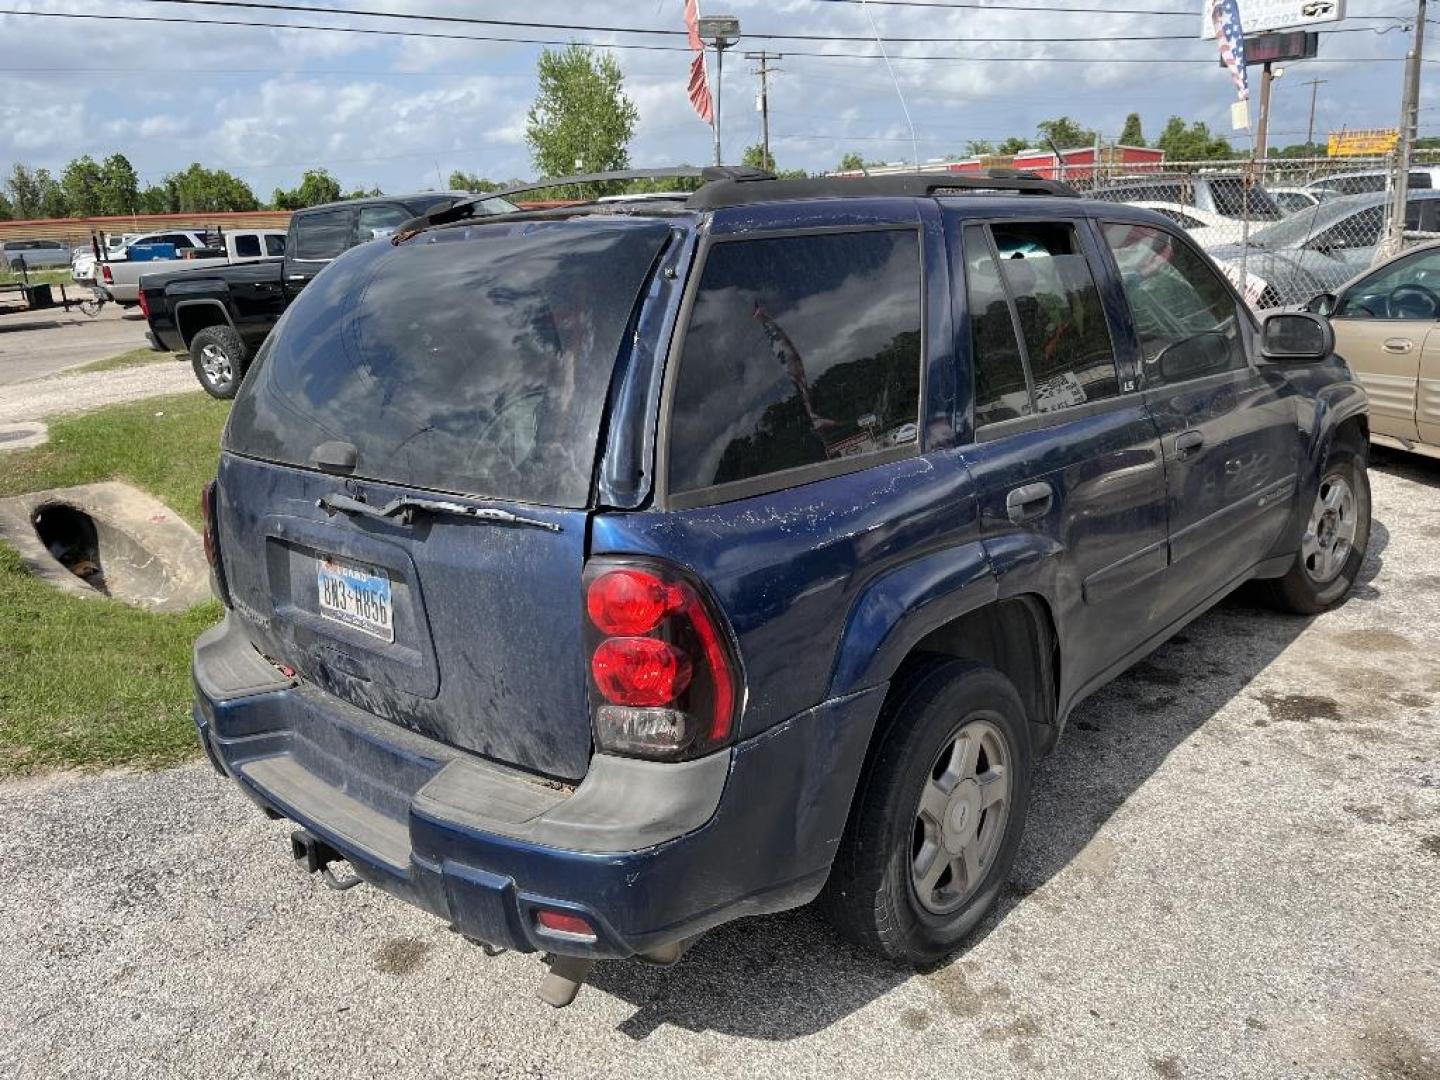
{"points": [[722, 31]]}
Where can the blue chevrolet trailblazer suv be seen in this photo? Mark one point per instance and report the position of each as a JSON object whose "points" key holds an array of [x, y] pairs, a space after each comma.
{"points": [[599, 574]]}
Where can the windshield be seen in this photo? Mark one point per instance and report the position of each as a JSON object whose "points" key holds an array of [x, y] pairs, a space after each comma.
{"points": [[1300, 226], [1234, 199], [473, 360]]}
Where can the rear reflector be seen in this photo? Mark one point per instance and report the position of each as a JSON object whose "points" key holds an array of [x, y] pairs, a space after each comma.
{"points": [[564, 922]]}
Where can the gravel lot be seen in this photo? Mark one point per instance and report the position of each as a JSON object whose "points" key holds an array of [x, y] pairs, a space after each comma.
{"points": [[1232, 869], [34, 344]]}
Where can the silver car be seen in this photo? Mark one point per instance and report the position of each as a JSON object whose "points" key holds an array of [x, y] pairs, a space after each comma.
{"points": [[33, 254]]}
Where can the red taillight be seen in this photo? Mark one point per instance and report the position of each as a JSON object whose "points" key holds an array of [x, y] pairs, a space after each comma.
{"points": [[144, 305], [106, 274], [640, 671], [629, 601], [660, 663], [564, 922]]}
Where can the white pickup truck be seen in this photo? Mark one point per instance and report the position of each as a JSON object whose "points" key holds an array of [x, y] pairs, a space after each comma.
{"points": [[121, 279]]}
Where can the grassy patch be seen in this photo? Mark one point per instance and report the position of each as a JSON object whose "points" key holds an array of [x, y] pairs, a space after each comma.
{"points": [[91, 682], [133, 358], [94, 683], [167, 445], [57, 276]]}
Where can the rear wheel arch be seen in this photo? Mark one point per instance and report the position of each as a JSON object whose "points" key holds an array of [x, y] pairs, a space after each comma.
{"points": [[192, 316]]}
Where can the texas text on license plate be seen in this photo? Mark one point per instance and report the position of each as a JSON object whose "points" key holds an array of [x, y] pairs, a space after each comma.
{"points": [[356, 595]]}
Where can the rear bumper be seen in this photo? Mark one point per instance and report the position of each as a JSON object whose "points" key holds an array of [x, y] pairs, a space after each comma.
{"points": [[650, 854]]}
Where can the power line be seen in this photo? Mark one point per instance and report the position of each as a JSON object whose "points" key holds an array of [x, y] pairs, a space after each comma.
{"points": [[436, 35], [311, 9]]}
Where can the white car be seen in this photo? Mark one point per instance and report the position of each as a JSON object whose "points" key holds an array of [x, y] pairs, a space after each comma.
{"points": [[118, 246], [1205, 227], [1292, 200]]}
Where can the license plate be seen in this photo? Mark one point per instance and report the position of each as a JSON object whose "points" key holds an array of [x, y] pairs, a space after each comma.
{"points": [[356, 595]]}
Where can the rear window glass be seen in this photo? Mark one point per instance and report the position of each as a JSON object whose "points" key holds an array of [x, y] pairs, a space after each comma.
{"points": [[274, 244], [477, 364], [801, 350], [323, 235], [1234, 199], [247, 245]]}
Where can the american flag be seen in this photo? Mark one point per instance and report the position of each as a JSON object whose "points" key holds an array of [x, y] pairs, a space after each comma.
{"points": [[699, 87], [1225, 14]]}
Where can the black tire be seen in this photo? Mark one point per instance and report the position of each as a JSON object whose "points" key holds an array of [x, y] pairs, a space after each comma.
{"points": [[218, 356], [872, 896], [1307, 588]]}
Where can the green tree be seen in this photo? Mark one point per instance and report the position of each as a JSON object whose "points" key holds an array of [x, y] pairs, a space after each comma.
{"points": [[24, 192], [316, 186], [581, 120], [119, 186], [463, 181], [362, 193], [851, 162], [1192, 143], [7, 212], [83, 183], [1012, 146], [155, 199], [1065, 133], [1132, 134], [200, 189], [53, 203], [979, 147]]}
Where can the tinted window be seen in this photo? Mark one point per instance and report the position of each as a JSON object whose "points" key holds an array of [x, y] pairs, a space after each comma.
{"points": [[477, 364], [800, 350], [1184, 314], [322, 235], [1360, 230], [1062, 321], [1001, 391], [382, 220], [274, 245], [1234, 199], [1417, 280], [180, 240], [247, 245]]}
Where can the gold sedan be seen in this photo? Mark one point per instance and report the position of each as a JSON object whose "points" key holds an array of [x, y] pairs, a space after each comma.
{"points": [[1387, 328]]}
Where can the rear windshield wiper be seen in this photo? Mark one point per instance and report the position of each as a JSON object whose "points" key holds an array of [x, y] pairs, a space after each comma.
{"points": [[404, 509]]}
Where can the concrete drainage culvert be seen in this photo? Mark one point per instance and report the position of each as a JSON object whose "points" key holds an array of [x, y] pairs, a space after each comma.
{"points": [[108, 540]]}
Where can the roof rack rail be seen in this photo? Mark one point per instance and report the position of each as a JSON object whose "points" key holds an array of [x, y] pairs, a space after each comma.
{"points": [[724, 192], [740, 185], [465, 208]]}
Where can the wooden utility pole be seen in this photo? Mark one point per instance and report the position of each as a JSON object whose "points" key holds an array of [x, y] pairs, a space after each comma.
{"points": [[1314, 85], [764, 58]]}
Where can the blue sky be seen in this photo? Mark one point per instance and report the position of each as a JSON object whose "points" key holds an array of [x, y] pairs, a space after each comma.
{"points": [[397, 112]]}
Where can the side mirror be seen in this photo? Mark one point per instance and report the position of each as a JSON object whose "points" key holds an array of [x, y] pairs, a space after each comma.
{"points": [[1325, 304], [1293, 337]]}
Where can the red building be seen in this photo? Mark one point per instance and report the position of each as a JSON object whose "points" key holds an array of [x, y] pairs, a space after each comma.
{"points": [[1076, 165]]}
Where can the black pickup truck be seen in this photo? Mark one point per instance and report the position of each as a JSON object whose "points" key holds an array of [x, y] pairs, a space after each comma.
{"points": [[220, 315]]}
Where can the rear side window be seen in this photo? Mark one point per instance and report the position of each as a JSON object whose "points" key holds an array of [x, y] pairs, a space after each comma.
{"points": [[1060, 316], [477, 364], [801, 350], [1002, 391], [247, 245], [322, 235], [1187, 319], [274, 245]]}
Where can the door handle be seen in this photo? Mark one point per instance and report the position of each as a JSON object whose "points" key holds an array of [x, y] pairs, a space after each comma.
{"points": [[1029, 501], [1187, 441], [1397, 345]]}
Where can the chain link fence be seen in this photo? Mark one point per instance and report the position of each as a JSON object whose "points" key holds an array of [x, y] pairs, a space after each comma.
{"points": [[1284, 230]]}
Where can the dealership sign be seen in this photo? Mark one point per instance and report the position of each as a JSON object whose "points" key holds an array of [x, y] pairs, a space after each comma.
{"points": [[1258, 16], [1369, 143]]}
